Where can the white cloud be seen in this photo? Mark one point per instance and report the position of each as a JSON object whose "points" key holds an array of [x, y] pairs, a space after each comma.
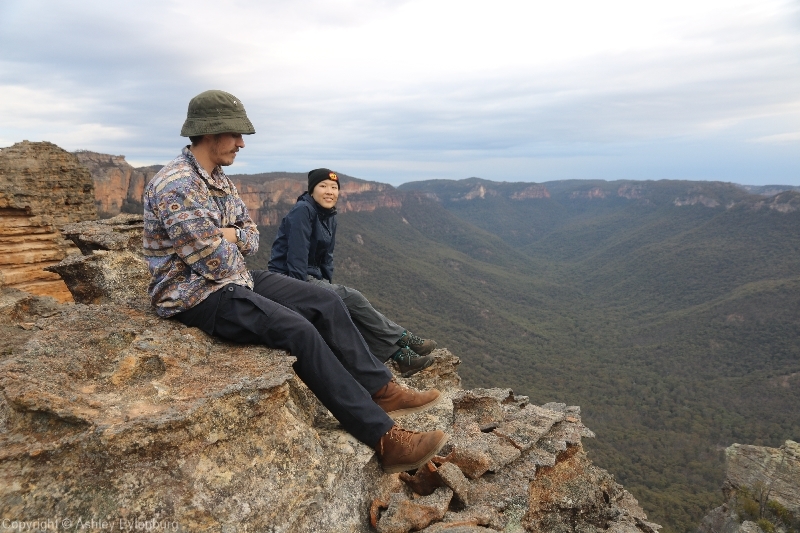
{"points": [[780, 138], [413, 86]]}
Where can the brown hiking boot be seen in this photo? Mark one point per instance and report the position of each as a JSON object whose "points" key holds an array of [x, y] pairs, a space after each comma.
{"points": [[400, 449], [418, 344], [397, 400]]}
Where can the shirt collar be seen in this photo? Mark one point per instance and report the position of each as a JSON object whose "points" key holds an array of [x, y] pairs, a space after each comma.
{"points": [[217, 178]]}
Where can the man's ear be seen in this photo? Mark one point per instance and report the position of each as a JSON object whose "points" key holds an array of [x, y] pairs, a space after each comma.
{"points": [[196, 139]]}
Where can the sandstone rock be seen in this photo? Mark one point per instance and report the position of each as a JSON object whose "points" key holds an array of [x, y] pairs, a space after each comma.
{"points": [[575, 488], [42, 187], [543, 483], [104, 277], [404, 514], [474, 515], [425, 480], [19, 312], [476, 453], [771, 474], [117, 413], [778, 469], [116, 183], [269, 196], [722, 519], [18, 307], [112, 269], [483, 407], [782, 202], [453, 477], [531, 192], [122, 232], [526, 426]]}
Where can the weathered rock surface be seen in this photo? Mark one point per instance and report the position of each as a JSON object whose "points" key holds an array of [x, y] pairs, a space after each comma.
{"points": [[19, 311], [109, 413], [496, 479], [776, 468], [42, 187], [111, 268], [762, 477]]}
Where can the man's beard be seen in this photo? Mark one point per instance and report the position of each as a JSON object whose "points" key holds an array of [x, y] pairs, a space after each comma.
{"points": [[221, 158]]}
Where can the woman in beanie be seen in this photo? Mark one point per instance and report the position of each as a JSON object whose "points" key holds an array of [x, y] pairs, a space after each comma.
{"points": [[303, 249]]}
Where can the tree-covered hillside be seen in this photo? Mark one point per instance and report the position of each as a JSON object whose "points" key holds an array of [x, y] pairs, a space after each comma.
{"points": [[669, 311]]}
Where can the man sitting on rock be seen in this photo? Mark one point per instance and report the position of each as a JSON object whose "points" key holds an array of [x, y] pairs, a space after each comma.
{"points": [[196, 233]]}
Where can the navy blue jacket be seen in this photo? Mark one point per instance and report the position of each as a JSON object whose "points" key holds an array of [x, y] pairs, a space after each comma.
{"points": [[305, 241]]}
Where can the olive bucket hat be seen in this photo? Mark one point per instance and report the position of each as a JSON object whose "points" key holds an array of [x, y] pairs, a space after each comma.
{"points": [[213, 112]]}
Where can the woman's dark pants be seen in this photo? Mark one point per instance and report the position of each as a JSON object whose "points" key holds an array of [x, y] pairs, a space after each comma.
{"points": [[314, 326]]}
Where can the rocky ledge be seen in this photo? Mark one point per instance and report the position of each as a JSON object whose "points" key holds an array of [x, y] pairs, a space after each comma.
{"points": [[762, 489], [112, 415]]}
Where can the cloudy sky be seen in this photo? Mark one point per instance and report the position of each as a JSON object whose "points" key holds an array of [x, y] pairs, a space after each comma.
{"points": [[397, 91]]}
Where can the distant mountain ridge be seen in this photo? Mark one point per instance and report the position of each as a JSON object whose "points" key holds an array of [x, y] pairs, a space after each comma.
{"points": [[769, 190], [677, 192], [119, 187]]}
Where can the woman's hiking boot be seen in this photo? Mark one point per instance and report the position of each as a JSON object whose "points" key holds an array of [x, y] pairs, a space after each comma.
{"points": [[409, 362], [398, 400], [417, 344], [400, 449]]}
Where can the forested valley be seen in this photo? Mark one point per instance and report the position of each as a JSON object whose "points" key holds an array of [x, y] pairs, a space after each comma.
{"points": [[669, 311]]}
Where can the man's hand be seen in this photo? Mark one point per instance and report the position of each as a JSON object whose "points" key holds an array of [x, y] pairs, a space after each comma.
{"points": [[229, 234]]}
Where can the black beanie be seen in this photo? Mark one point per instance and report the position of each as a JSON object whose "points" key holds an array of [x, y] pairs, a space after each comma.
{"points": [[320, 174]]}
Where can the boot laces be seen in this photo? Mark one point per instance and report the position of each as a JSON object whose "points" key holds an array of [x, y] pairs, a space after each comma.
{"points": [[408, 339], [399, 435], [414, 339], [404, 355], [402, 436]]}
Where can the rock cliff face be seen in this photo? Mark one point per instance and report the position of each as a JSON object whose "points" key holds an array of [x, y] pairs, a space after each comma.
{"points": [[762, 491], [112, 415], [268, 196], [42, 187], [116, 182]]}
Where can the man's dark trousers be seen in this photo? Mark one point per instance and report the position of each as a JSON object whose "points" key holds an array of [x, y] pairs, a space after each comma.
{"points": [[313, 325]]}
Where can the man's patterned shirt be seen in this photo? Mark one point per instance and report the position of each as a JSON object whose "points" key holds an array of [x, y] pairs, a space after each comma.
{"points": [[185, 210]]}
